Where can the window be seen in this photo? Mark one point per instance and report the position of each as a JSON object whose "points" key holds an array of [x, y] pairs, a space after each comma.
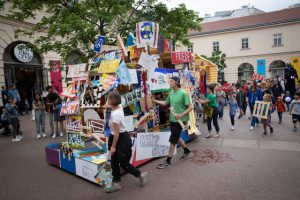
{"points": [[191, 48], [245, 43], [216, 46], [277, 39]]}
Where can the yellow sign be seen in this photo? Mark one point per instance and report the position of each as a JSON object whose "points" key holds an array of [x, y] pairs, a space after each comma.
{"points": [[109, 66], [295, 61]]}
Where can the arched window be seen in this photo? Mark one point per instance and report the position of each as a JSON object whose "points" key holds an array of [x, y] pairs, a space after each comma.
{"points": [[277, 69], [245, 72]]}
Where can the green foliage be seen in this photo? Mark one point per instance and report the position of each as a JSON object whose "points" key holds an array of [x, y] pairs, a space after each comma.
{"points": [[218, 58], [76, 24]]}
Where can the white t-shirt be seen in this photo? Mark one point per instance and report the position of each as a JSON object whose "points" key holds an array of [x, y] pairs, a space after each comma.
{"points": [[117, 116], [296, 108]]}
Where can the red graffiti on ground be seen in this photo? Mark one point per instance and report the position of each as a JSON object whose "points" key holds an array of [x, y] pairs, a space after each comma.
{"points": [[209, 156]]}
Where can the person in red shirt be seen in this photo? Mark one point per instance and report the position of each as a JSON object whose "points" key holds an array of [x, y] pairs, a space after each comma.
{"points": [[280, 107]]}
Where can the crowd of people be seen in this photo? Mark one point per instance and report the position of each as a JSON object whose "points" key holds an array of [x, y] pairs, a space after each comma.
{"points": [[238, 97], [49, 103]]}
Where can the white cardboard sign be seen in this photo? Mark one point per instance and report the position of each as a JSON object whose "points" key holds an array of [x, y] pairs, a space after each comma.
{"points": [[133, 76], [129, 123], [152, 145]]}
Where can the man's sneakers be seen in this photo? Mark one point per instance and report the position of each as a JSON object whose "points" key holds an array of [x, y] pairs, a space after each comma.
{"points": [[251, 128], [232, 128], [54, 136], [163, 165], [217, 135], [16, 139], [44, 135], [185, 155], [38, 136], [143, 179], [208, 136], [114, 187]]}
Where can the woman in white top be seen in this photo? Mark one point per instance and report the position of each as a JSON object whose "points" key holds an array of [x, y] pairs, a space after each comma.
{"points": [[119, 144]]}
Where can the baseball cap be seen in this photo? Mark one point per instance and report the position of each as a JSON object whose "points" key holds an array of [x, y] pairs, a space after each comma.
{"points": [[176, 79]]}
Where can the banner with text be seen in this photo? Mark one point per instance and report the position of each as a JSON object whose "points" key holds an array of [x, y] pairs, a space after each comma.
{"points": [[181, 57], [152, 145]]}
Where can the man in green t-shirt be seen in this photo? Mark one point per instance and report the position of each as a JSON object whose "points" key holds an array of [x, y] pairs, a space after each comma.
{"points": [[180, 101]]}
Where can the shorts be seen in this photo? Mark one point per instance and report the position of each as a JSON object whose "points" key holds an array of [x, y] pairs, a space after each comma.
{"points": [[296, 118], [176, 130]]}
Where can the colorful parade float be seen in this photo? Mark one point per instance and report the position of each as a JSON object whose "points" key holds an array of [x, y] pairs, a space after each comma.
{"points": [[137, 71]]}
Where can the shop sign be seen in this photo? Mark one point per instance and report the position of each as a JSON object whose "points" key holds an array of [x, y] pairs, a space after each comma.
{"points": [[181, 57], [23, 53]]}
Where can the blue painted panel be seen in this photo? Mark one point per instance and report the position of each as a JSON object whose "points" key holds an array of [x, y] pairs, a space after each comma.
{"points": [[261, 67], [66, 164]]}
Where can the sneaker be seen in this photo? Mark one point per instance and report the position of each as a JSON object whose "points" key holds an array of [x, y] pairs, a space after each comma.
{"points": [[20, 137], [232, 128], [163, 165], [251, 128], [216, 136], [264, 134], [295, 129], [114, 187], [143, 179], [54, 136], [61, 134], [44, 135], [16, 140], [208, 136], [38, 136], [185, 155], [271, 129]]}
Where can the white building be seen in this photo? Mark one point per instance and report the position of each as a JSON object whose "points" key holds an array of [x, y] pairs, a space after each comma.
{"points": [[228, 14], [262, 43]]}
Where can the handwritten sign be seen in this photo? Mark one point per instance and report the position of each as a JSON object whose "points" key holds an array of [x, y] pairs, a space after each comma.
{"points": [[133, 76], [257, 77], [159, 78], [181, 57], [130, 98], [149, 62], [75, 140], [152, 145], [109, 66], [107, 81], [69, 108], [76, 70]]}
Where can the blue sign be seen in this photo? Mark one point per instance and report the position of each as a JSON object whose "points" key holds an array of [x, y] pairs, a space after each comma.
{"points": [[261, 67], [99, 43]]}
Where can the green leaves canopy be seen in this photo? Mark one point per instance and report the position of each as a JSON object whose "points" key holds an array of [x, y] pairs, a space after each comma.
{"points": [[76, 24]]}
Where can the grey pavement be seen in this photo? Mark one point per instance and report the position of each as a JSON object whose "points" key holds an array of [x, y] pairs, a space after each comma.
{"points": [[241, 165]]}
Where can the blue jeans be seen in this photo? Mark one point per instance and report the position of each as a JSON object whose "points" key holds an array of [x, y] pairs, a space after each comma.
{"points": [[280, 116], [51, 122], [40, 121], [254, 121], [221, 109]]}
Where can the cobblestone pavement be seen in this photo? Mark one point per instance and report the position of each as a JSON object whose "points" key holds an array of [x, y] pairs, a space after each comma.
{"points": [[240, 165]]}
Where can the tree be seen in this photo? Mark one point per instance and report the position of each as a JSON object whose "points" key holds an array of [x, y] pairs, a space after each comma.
{"points": [[218, 58], [77, 23]]}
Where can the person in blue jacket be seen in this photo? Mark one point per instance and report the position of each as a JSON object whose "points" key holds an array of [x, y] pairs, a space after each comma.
{"points": [[254, 94]]}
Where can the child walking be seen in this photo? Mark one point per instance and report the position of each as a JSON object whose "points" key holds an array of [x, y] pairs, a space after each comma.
{"points": [[280, 107], [13, 117], [39, 110], [233, 107], [287, 98], [295, 110], [241, 100], [119, 144], [266, 122]]}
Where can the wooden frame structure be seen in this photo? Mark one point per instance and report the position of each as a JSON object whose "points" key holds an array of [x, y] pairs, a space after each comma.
{"points": [[261, 109]]}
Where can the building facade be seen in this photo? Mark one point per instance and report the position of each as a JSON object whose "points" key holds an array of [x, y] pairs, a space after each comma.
{"points": [[262, 43]]}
